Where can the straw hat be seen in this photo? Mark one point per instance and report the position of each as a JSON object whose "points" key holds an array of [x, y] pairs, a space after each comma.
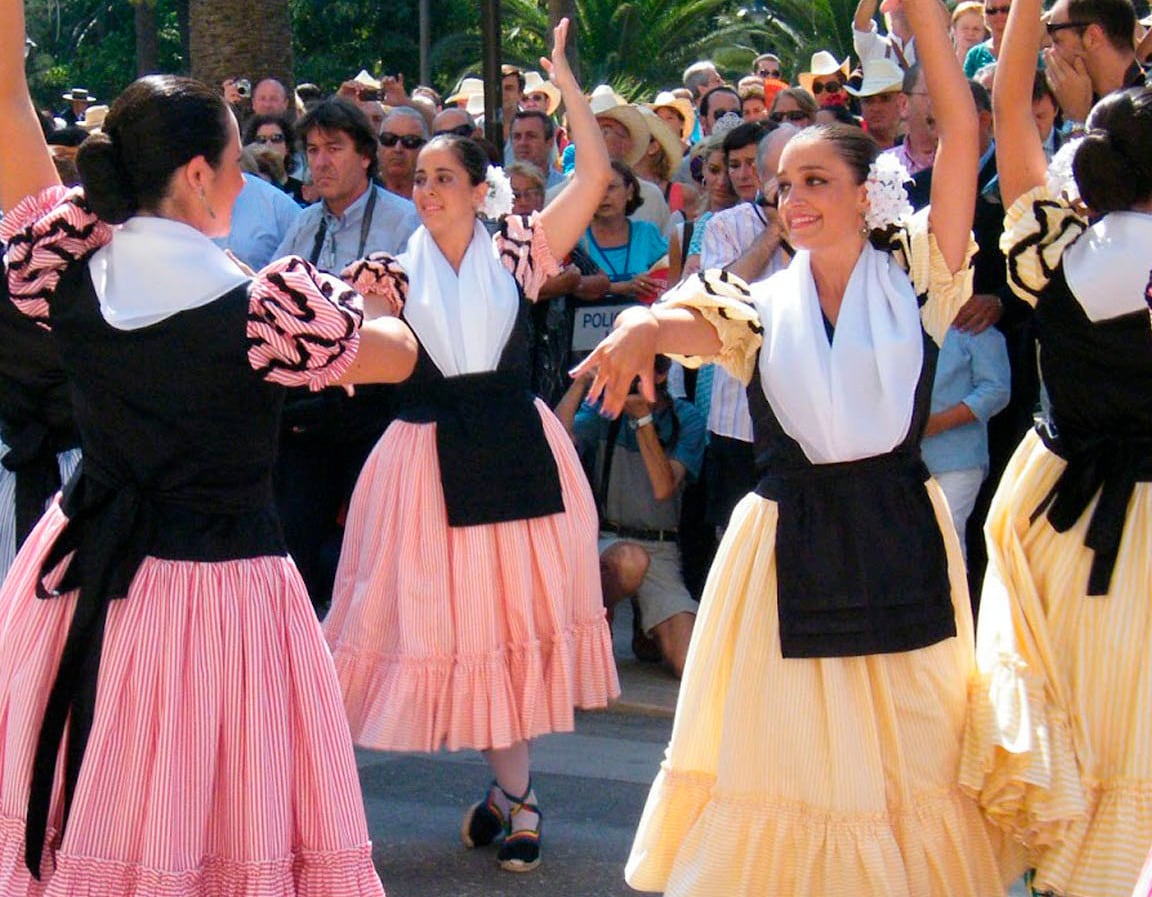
{"points": [[534, 82], [881, 75], [470, 91], [78, 95], [665, 136], [683, 107], [823, 64], [606, 103], [93, 119]]}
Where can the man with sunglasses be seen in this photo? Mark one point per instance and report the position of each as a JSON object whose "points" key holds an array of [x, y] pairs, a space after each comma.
{"points": [[882, 100], [402, 134], [453, 120], [1092, 53], [767, 65], [897, 44]]}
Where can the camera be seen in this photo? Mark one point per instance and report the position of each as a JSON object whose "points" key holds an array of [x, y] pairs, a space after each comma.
{"points": [[243, 87], [366, 94]]}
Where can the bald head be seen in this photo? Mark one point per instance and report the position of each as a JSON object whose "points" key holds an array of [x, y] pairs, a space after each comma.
{"points": [[769, 150]]}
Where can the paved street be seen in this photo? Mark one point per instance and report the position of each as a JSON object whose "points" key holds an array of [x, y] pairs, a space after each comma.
{"points": [[592, 785]]}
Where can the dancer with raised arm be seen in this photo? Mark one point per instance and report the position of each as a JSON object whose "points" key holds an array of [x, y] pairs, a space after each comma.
{"points": [[467, 611], [1058, 748], [170, 721], [818, 730]]}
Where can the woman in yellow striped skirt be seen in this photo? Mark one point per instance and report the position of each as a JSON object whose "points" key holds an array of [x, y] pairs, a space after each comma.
{"points": [[818, 731], [1059, 746]]}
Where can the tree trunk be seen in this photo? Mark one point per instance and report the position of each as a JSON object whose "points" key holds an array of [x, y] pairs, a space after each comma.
{"points": [[147, 47], [240, 38], [558, 9], [185, 41]]}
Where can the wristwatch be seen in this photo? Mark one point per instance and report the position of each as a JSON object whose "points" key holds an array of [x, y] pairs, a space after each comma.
{"points": [[640, 422]]}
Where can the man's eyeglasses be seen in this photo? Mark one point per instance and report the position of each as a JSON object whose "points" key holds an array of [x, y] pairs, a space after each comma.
{"points": [[794, 115], [820, 87], [1053, 27], [408, 141], [528, 193], [464, 130], [768, 73], [265, 139], [996, 10]]}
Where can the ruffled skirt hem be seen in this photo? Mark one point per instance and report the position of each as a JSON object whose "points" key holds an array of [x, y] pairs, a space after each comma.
{"points": [[337, 873], [493, 701], [759, 844]]}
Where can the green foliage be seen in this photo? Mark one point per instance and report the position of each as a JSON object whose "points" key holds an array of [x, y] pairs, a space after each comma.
{"points": [[91, 44], [638, 46]]}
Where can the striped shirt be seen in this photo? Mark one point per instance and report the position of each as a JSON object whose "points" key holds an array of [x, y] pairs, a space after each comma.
{"points": [[727, 235]]}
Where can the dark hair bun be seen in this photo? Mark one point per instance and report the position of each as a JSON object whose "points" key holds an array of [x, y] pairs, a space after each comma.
{"points": [[109, 194], [1113, 164]]}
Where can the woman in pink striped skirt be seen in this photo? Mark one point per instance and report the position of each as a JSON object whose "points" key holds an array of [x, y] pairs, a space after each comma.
{"points": [[467, 610], [170, 721]]}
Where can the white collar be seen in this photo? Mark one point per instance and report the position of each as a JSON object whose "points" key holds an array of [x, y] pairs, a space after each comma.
{"points": [[1107, 269], [853, 398], [462, 334], [153, 268]]}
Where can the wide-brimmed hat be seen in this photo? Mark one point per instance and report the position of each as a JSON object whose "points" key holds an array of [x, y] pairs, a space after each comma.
{"points": [[606, 103], [683, 107], [79, 95], [534, 82], [93, 119], [881, 75], [823, 64], [471, 92], [664, 135]]}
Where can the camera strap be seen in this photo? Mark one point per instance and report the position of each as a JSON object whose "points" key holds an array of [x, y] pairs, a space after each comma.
{"points": [[365, 227]]}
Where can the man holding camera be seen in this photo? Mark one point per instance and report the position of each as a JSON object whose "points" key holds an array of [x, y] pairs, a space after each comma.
{"points": [[640, 464]]}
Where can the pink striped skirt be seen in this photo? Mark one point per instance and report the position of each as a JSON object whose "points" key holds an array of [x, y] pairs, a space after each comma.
{"points": [[219, 762], [465, 637]]}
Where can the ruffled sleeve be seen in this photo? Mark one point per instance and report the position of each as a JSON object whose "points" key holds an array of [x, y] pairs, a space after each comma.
{"points": [[303, 325], [524, 250], [723, 300], [45, 234], [379, 275], [1037, 230], [941, 291]]}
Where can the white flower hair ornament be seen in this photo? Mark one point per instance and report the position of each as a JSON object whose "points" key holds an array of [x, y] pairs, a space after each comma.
{"points": [[888, 203], [1061, 180], [498, 203]]}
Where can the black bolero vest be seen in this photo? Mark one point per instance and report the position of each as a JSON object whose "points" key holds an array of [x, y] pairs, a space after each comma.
{"points": [[179, 435], [495, 462]]}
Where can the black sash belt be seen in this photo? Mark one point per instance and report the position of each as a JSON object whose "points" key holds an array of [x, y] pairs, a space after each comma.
{"points": [[1110, 467], [860, 560], [110, 529], [32, 450], [495, 462]]}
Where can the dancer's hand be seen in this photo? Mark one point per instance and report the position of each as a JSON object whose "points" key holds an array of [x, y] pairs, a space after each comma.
{"points": [[628, 352], [559, 72]]}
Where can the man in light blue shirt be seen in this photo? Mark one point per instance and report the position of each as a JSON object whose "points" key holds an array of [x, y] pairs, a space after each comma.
{"points": [[355, 216], [261, 218], [973, 382]]}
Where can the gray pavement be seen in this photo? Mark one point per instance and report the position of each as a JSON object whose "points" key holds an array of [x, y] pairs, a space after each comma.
{"points": [[591, 783]]}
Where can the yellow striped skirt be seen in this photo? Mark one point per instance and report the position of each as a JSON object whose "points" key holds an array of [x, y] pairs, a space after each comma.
{"points": [[1059, 745], [813, 776]]}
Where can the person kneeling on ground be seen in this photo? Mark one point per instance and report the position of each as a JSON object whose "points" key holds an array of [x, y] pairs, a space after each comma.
{"points": [[656, 448]]}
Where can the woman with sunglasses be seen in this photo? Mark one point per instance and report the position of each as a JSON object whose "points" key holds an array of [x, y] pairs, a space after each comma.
{"points": [[817, 735], [987, 52], [274, 133], [795, 106], [467, 611], [1058, 745]]}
